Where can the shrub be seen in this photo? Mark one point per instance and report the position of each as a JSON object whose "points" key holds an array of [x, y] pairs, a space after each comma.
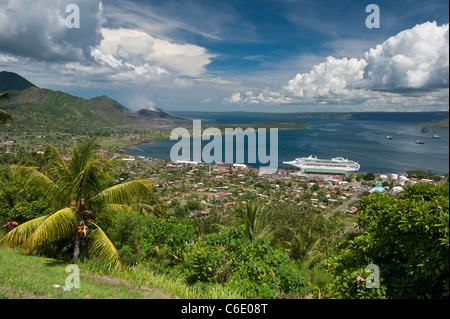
{"points": [[125, 233], [167, 239], [406, 236], [24, 211], [253, 268]]}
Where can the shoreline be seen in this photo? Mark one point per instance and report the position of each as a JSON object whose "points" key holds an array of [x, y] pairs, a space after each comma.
{"points": [[222, 127]]}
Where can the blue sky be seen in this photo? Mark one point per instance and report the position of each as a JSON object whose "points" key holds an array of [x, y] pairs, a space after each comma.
{"points": [[253, 55]]}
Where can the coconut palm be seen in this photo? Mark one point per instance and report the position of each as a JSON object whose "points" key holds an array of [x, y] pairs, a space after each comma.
{"points": [[251, 216], [4, 117], [305, 248], [82, 193]]}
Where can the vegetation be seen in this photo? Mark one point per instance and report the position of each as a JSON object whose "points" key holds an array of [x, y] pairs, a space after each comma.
{"points": [[419, 174], [232, 234], [407, 237], [78, 192], [33, 277], [4, 116], [253, 268], [440, 124]]}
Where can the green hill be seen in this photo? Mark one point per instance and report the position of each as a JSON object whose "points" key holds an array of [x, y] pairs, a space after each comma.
{"points": [[439, 124], [33, 107], [43, 107], [114, 103]]}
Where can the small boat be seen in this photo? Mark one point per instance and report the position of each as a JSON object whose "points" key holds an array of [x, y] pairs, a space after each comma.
{"points": [[424, 130], [389, 137], [400, 133], [436, 136], [420, 142]]}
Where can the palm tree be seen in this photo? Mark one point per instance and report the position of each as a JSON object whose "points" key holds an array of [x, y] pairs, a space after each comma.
{"points": [[4, 117], [81, 193], [305, 248], [251, 217]]}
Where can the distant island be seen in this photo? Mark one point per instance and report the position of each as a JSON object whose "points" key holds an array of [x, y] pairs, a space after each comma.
{"points": [[438, 124], [413, 117]]}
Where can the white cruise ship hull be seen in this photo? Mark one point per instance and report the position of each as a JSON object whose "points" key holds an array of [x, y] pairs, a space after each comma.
{"points": [[313, 163]]}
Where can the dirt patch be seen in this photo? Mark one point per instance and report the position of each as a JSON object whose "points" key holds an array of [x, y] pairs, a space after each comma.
{"points": [[116, 281], [8, 292], [110, 280]]}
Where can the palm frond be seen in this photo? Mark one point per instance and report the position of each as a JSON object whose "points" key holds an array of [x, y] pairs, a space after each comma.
{"points": [[6, 175], [54, 160], [4, 117], [266, 232], [91, 180], [220, 227], [20, 234], [117, 208], [41, 185], [155, 210], [82, 154], [251, 216], [125, 193], [102, 247], [57, 226], [111, 211]]}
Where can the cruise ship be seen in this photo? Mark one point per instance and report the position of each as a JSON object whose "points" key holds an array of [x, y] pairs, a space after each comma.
{"points": [[316, 164]]}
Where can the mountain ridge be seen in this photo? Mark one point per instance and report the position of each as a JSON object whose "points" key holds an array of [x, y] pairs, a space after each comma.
{"points": [[10, 81], [32, 105]]}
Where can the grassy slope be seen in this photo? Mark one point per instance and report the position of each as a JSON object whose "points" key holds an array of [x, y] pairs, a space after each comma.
{"points": [[36, 106], [440, 124], [32, 277]]}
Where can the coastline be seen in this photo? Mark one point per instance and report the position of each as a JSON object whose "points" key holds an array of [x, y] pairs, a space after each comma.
{"points": [[267, 125]]}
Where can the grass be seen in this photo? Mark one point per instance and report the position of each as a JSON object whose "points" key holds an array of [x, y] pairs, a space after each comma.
{"points": [[34, 277], [173, 285]]}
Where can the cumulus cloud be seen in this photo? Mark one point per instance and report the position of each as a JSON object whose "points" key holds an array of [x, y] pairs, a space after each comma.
{"points": [[265, 97], [8, 59], [417, 58], [37, 29], [332, 77], [413, 60], [35, 33], [183, 59]]}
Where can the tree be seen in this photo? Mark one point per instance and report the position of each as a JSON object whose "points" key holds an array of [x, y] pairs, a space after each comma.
{"points": [[254, 268], [4, 117], [407, 237], [305, 248], [81, 193], [251, 217], [369, 176]]}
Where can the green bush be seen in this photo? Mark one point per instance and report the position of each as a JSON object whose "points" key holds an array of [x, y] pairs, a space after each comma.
{"points": [[407, 237], [253, 268], [24, 211], [167, 239], [125, 234]]}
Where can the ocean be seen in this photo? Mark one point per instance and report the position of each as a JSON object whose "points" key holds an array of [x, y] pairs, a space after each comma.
{"points": [[363, 141]]}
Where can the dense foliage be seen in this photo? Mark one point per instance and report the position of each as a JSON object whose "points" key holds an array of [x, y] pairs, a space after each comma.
{"points": [[271, 249], [407, 237], [255, 268]]}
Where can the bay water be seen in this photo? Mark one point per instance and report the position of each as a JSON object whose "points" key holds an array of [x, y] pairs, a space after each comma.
{"points": [[363, 141]]}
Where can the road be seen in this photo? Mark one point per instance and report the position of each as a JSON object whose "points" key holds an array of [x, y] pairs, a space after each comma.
{"points": [[343, 207]]}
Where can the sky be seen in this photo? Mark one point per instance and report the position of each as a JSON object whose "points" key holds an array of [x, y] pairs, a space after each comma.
{"points": [[235, 55]]}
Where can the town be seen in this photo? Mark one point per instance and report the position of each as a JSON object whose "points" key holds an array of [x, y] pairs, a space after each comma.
{"points": [[213, 189]]}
